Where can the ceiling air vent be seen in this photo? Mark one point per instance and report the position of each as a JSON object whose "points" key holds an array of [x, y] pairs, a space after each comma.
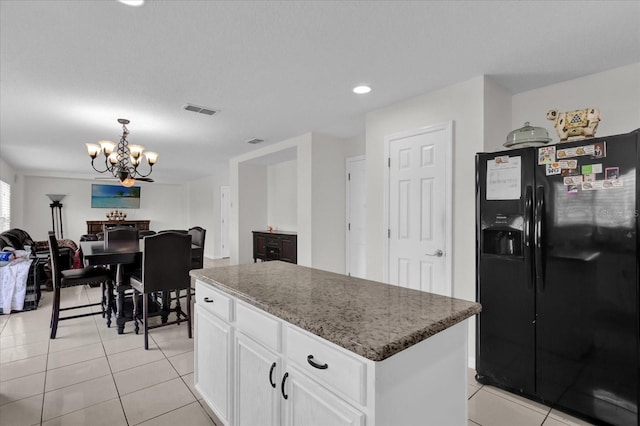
{"points": [[255, 141], [201, 110]]}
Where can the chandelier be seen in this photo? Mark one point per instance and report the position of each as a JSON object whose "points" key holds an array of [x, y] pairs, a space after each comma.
{"points": [[122, 161]]}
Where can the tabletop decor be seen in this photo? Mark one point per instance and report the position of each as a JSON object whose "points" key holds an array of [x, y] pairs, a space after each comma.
{"points": [[116, 215], [575, 125]]}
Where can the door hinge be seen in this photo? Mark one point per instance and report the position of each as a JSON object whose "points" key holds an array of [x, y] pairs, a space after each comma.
{"points": [[349, 227], [388, 233], [349, 176], [389, 162]]}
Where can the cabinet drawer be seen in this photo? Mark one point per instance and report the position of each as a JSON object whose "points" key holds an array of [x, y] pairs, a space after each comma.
{"points": [[343, 373], [262, 327], [213, 301]]}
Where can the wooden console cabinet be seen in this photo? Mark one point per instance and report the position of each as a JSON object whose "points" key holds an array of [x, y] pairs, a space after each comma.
{"points": [[96, 226], [275, 246]]}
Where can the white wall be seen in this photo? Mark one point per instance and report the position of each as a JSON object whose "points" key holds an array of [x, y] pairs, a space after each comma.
{"points": [[320, 188], [9, 175], [497, 115], [463, 103], [355, 146], [252, 203], [615, 92], [204, 210], [305, 208], [165, 206], [483, 114], [282, 196], [328, 203], [248, 213]]}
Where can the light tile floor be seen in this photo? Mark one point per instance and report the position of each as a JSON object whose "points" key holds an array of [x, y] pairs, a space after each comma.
{"points": [[90, 375]]}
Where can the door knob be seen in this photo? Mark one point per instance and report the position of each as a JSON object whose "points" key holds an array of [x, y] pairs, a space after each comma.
{"points": [[437, 253]]}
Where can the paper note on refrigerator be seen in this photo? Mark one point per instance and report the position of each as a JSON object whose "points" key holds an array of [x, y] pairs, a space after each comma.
{"points": [[504, 179]]}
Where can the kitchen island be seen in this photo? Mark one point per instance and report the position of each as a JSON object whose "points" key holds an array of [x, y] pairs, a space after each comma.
{"points": [[278, 343]]}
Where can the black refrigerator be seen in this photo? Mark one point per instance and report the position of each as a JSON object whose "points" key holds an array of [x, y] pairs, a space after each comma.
{"points": [[558, 273]]}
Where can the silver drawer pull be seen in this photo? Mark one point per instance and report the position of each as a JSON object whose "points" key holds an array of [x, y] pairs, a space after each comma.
{"points": [[206, 299]]}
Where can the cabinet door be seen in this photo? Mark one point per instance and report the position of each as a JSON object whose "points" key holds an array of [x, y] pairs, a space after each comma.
{"points": [[212, 362], [257, 380], [310, 404], [289, 250], [259, 246]]}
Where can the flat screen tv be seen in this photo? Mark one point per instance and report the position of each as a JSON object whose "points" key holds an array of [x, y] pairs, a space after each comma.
{"points": [[115, 197]]}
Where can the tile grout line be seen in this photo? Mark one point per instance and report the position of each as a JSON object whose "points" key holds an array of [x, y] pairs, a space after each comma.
{"points": [[185, 383], [47, 370], [515, 401], [124, 413]]}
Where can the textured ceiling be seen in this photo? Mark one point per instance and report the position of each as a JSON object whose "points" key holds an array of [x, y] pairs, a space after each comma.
{"points": [[275, 70]]}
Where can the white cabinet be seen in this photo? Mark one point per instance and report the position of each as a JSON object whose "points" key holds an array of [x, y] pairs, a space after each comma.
{"points": [[268, 395], [337, 370], [311, 404], [257, 383], [247, 377], [212, 365], [253, 368]]}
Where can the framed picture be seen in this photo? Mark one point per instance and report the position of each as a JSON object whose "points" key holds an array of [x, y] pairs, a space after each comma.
{"points": [[611, 173], [114, 196]]}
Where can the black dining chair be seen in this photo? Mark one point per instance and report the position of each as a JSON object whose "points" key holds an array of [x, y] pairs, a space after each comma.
{"points": [[179, 231], [70, 278], [197, 239], [146, 233], [121, 235], [166, 262]]}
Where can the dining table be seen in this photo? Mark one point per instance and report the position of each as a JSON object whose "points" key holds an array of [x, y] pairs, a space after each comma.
{"points": [[118, 254]]}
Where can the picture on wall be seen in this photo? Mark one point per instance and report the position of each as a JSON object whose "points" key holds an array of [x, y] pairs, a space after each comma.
{"points": [[115, 196]]}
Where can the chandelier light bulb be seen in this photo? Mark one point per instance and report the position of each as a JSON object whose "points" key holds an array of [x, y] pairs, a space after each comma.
{"points": [[107, 147], [136, 150], [93, 150], [128, 182], [152, 157]]}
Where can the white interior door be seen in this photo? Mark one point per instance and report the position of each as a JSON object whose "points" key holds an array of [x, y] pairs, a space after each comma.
{"points": [[225, 203], [356, 249], [419, 213]]}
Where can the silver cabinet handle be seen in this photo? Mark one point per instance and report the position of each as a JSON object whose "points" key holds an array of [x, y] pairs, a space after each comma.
{"points": [[437, 253]]}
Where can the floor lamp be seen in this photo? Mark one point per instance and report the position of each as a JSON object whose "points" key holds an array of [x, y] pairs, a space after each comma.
{"points": [[56, 214]]}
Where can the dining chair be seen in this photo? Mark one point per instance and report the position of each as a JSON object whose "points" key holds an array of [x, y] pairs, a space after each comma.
{"points": [[121, 235], [145, 233], [197, 239], [70, 278], [166, 262]]}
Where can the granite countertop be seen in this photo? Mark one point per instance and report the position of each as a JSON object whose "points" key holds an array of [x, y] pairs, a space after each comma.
{"points": [[372, 319]]}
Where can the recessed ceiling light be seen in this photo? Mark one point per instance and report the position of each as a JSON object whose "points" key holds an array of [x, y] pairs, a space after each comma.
{"points": [[134, 3], [361, 90]]}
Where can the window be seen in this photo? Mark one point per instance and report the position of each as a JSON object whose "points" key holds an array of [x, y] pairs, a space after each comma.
{"points": [[5, 206]]}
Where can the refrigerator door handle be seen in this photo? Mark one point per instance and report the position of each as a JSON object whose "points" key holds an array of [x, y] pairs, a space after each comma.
{"points": [[538, 235], [528, 255]]}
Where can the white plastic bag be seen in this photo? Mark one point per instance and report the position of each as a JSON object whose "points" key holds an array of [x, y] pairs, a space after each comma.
{"points": [[13, 284]]}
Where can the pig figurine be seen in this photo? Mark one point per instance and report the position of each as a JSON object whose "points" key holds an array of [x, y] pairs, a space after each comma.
{"points": [[575, 125]]}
